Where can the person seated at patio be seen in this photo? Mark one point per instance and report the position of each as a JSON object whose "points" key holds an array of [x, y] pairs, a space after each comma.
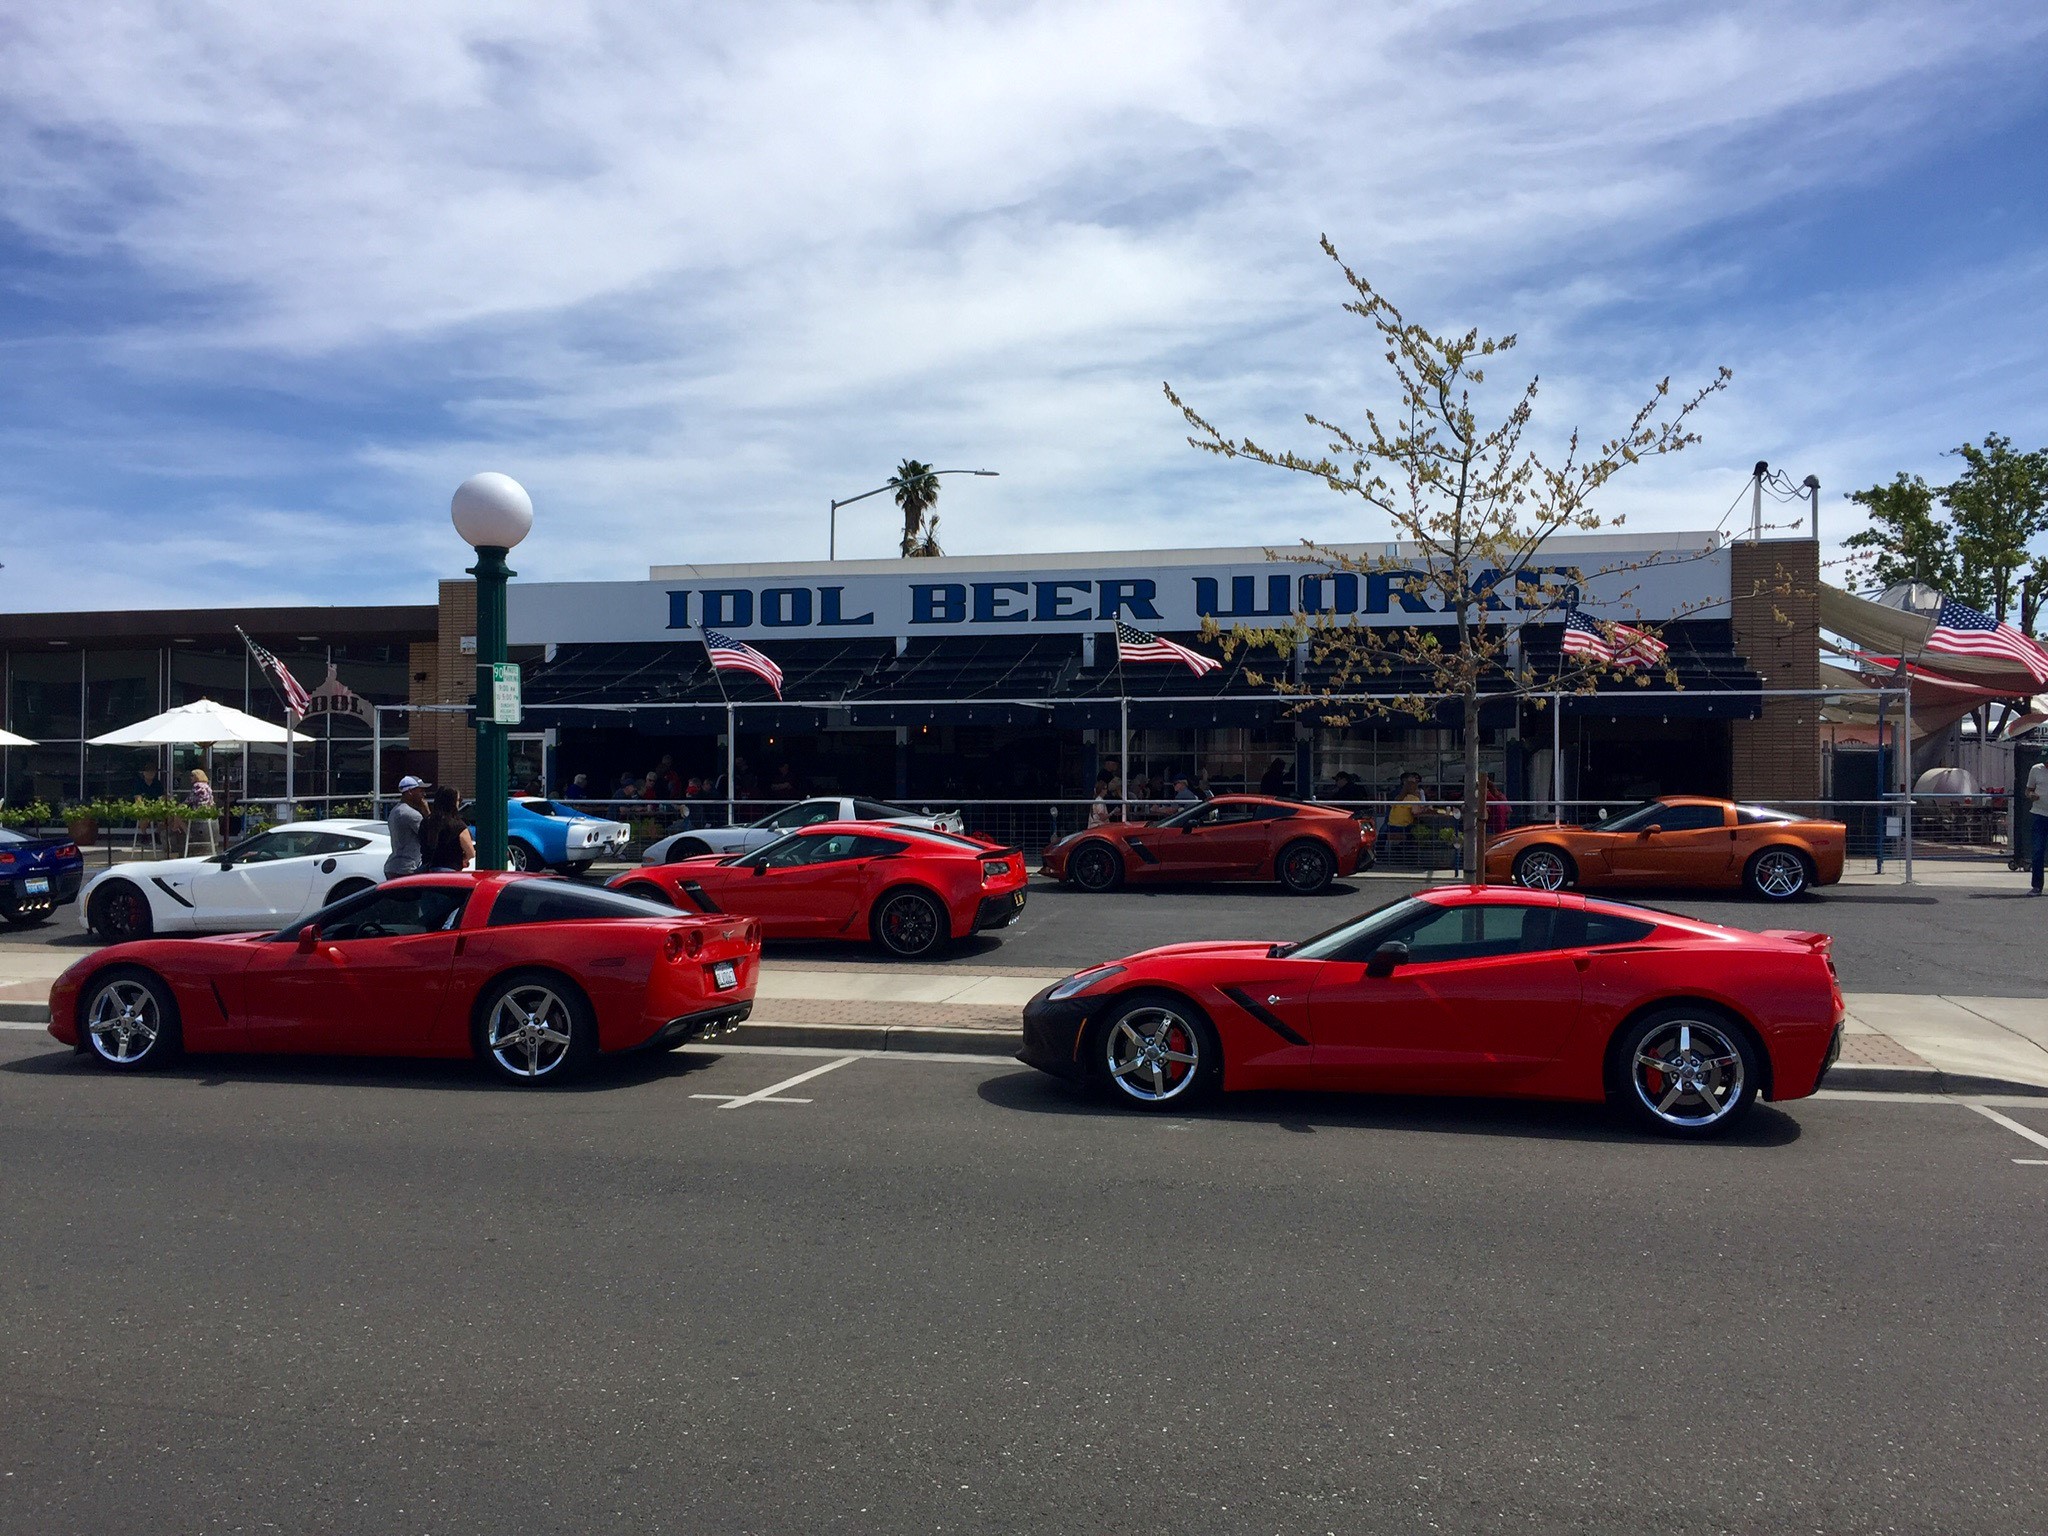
{"points": [[201, 792], [1413, 822]]}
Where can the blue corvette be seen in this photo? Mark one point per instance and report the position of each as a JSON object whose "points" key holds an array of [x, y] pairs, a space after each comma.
{"points": [[37, 876], [543, 835]]}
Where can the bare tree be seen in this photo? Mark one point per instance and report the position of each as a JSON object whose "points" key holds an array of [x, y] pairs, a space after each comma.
{"points": [[1474, 506]]}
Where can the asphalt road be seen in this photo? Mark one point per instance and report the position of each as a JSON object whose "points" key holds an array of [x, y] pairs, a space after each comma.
{"points": [[1962, 942], [952, 1296]]}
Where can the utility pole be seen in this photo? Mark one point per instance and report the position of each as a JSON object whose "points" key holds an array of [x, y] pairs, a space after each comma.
{"points": [[1756, 499], [1812, 484]]}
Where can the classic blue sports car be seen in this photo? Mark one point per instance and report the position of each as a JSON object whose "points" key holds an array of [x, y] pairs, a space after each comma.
{"points": [[37, 876], [543, 835]]}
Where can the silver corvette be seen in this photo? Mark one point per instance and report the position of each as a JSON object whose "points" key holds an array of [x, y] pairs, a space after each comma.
{"points": [[805, 813]]}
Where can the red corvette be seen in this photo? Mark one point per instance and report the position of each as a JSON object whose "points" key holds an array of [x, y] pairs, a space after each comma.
{"points": [[911, 890], [532, 976], [1464, 990], [1232, 837]]}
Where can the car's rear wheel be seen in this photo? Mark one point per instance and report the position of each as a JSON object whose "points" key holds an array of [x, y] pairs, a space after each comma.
{"points": [[347, 888], [1544, 869], [119, 912], [1778, 874], [1306, 867], [534, 1029], [1156, 1051], [910, 924], [128, 1020], [1095, 867], [1686, 1070], [524, 857]]}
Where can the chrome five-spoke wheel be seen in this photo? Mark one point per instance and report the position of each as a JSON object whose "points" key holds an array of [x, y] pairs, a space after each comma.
{"points": [[530, 1031], [1542, 869], [123, 1022], [1152, 1054], [1689, 1074], [1779, 874]]}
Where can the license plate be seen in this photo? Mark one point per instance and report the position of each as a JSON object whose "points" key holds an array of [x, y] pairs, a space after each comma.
{"points": [[1017, 899], [726, 974], [35, 885]]}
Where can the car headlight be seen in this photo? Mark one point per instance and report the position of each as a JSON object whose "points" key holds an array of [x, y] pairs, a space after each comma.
{"points": [[1081, 981]]}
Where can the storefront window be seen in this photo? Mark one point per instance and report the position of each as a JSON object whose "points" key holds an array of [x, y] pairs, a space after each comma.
{"points": [[214, 672], [42, 694], [117, 773], [121, 687], [47, 773]]}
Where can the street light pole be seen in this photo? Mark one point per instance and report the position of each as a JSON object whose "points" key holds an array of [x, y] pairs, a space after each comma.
{"points": [[832, 535], [492, 512]]}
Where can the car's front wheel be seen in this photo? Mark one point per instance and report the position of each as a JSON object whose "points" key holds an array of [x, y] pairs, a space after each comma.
{"points": [[1095, 867], [534, 1029], [119, 912], [1544, 869], [1778, 874], [688, 848], [1156, 1051], [1686, 1070], [128, 1020], [910, 924]]}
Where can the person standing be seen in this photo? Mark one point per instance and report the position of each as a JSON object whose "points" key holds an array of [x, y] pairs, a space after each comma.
{"points": [[2037, 806], [446, 846], [1273, 782], [405, 821]]}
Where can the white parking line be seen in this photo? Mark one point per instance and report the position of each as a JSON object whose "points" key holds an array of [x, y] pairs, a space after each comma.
{"points": [[2018, 1130], [768, 1095]]}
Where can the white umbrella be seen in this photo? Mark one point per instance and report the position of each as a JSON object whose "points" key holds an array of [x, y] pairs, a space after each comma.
{"points": [[9, 739], [202, 723]]}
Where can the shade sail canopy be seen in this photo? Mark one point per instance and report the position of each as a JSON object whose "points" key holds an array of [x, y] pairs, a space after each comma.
{"points": [[201, 723], [9, 739], [1874, 626]]}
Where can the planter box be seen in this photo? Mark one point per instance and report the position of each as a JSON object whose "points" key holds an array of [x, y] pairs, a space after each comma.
{"points": [[83, 830]]}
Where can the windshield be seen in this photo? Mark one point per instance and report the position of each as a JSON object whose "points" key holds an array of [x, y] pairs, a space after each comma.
{"points": [[1630, 820], [1357, 931]]}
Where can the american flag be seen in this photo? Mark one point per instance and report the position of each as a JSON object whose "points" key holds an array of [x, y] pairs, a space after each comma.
{"points": [[1133, 644], [730, 655], [1630, 647], [1963, 631], [296, 700]]}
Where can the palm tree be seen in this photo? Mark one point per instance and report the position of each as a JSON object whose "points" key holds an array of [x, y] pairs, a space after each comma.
{"points": [[917, 492]]}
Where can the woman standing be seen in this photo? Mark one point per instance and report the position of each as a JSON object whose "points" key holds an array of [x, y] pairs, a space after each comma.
{"points": [[445, 844]]}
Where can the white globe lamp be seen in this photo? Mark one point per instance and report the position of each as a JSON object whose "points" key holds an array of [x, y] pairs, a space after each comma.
{"points": [[492, 511]]}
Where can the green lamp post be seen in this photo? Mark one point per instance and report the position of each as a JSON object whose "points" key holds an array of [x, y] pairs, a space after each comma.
{"points": [[492, 512]]}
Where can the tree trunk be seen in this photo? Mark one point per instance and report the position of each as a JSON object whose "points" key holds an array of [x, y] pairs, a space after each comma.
{"points": [[1475, 803]]}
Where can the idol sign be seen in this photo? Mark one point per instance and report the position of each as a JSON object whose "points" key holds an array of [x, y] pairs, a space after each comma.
{"points": [[978, 596]]}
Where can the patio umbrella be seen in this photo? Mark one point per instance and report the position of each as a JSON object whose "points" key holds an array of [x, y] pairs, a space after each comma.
{"points": [[9, 739], [202, 723]]}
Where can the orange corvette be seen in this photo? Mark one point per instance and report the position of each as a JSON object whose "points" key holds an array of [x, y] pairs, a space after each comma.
{"points": [[1677, 840]]}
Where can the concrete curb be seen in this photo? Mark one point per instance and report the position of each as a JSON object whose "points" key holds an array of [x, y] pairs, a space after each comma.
{"points": [[1867, 1077]]}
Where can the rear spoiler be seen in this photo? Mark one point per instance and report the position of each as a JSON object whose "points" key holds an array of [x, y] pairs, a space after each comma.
{"points": [[1819, 943]]}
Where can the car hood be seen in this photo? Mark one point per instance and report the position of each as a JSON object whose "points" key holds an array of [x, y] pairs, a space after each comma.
{"points": [[1215, 949], [157, 869], [1541, 828]]}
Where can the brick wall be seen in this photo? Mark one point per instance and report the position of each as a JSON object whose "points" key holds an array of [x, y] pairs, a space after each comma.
{"points": [[1775, 586], [450, 679]]}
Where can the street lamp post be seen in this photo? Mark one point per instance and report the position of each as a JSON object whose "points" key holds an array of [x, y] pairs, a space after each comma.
{"points": [[492, 512], [832, 536]]}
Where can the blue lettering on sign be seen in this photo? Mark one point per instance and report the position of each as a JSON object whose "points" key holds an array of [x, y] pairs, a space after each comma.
{"points": [[1382, 586], [1052, 600], [828, 608], [1242, 602], [786, 607], [1344, 593], [990, 606], [679, 610], [1136, 595], [728, 607], [938, 602]]}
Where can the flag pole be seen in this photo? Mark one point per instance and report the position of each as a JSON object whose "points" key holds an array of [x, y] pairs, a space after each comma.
{"points": [[291, 809], [731, 730]]}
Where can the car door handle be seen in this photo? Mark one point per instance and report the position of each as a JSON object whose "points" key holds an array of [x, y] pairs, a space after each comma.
{"points": [[1582, 961]]}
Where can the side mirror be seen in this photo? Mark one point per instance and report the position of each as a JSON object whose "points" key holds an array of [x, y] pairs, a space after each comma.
{"points": [[760, 869], [1386, 957], [1187, 826], [225, 861], [1652, 829], [309, 938]]}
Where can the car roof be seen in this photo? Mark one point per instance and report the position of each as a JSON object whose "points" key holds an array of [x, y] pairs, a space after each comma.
{"points": [[1504, 895], [924, 837], [332, 824]]}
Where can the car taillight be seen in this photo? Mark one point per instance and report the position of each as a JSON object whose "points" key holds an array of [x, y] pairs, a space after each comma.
{"points": [[991, 868], [6, 861], [681, 942]]}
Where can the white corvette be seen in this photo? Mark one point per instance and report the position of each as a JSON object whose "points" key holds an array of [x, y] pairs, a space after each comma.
{"points": [[262, 882]]}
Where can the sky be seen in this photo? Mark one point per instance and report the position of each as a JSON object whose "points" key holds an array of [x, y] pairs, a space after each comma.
{"points": [[274, 279]]}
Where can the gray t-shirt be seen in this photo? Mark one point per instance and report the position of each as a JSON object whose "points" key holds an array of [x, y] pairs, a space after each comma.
{"points": [[405, 841], [2037, 789]]}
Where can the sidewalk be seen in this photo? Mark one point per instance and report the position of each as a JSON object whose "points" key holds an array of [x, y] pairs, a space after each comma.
{"points": [[1897, 1041]]}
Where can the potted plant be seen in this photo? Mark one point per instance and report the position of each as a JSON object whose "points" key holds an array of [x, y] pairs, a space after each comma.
{"points": [[81, 825]]}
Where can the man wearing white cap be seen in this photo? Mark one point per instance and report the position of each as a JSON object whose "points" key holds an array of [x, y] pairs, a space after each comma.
{"points": [[406, 819]]}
